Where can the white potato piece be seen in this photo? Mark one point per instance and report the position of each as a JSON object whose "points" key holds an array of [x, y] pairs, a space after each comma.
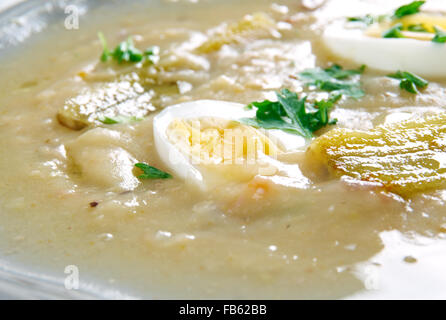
{"points": [[102, 160]]}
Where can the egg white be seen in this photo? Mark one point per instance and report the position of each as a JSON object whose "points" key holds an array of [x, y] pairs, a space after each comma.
{"points": [[424, 58], [178, 162]]}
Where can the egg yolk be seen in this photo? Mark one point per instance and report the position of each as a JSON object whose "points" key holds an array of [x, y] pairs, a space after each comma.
{"points": [[218, 141]]}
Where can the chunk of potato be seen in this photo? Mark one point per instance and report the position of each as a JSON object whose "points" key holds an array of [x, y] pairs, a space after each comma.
{"points": [[404, 158], [100, 157], [257, 25]]}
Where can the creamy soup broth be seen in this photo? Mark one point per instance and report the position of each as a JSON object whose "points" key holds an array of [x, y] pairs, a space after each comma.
{"points": [[266, 238]]}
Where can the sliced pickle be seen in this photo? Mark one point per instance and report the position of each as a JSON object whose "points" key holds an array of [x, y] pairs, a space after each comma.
{"points": [[404, 158]]}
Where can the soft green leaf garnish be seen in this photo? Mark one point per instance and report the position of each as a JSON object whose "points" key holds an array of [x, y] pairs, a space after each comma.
{"points": [[292, 114], [409, 81], [335, 79], [394, 32], [105, 51], [150, 172], [408, 9], [108, 120], [126, 52], [417, 28], [440, 36], [119, 119], [152, 54], [367, 19]]}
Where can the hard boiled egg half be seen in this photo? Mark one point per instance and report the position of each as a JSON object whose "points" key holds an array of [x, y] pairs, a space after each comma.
{"points": [[203, 143], [415, 52]]}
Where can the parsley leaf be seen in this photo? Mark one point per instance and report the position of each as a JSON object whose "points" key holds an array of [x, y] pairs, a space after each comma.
{"points": [[440, 36], [150, 172], [394, 32], [119, 119], [408, 9], [126, 52], [152, 54], [409, 81], [335, 79], [292, 114], [105, 51]]}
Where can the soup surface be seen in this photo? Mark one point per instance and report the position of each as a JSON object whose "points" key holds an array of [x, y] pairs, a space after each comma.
{"points": [[318, 222]]}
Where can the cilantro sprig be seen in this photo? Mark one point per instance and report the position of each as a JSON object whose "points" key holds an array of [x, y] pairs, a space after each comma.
{"points": [[409, 81], [335, 79], [150, 172], [291, 114], [440, 36], [126, 52], [408, 9]]}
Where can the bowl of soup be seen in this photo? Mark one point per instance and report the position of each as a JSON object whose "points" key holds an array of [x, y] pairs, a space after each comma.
{"points": [[223, 149]]}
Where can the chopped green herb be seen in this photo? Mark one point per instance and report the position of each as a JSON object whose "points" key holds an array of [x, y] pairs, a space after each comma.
{"points": [[367, 19], [440, 36], [150, 172], [126, 52], [119, 119], [292, 114], [336, 71], [152, 54], [409, 81], [394, 32], [408, 9], [108, 120], [417, 28], [335, 79]]}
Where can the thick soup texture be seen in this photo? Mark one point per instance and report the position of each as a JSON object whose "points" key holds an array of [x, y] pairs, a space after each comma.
{"points": [[346, 208]]}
